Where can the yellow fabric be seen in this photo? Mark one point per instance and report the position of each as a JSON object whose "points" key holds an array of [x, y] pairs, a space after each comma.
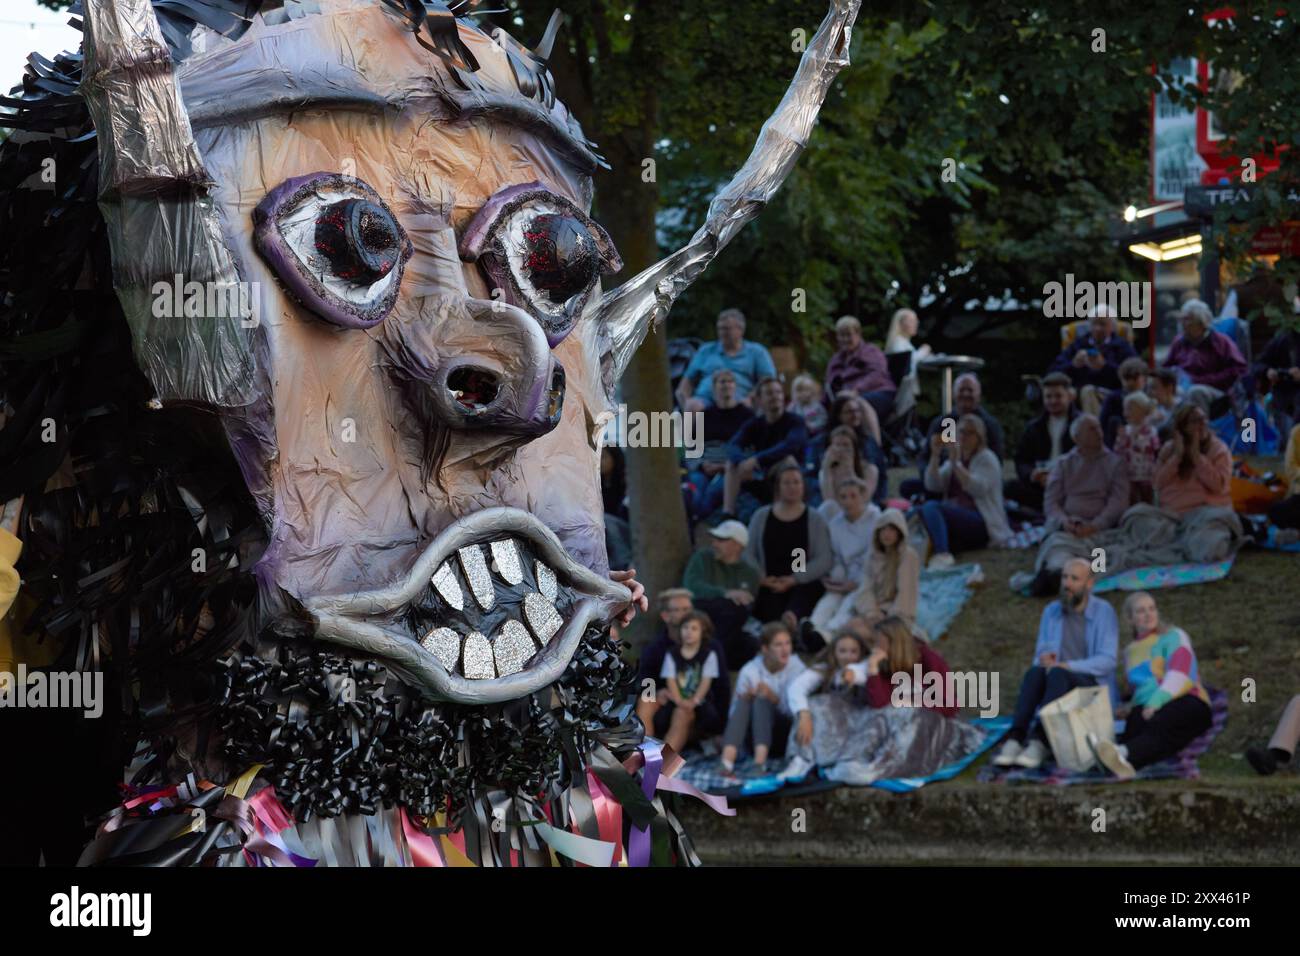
{"points": [[15, 607], [1292, 463], [10, 549], [1070, 332]]}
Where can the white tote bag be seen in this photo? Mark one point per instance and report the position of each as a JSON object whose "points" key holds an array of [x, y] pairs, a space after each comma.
{"points": [[1069, 719]]}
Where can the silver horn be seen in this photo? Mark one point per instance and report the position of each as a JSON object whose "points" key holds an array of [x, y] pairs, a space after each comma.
{"points": [[628, 311], [162, 225]]}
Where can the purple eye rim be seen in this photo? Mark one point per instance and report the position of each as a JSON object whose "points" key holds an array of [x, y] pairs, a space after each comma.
{"points": [[289, 268], [480, 244]]}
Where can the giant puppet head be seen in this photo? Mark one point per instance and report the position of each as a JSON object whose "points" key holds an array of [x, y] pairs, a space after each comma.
{"points": [[361, 232]]}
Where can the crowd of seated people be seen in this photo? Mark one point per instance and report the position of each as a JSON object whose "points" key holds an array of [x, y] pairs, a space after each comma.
{"points": [[804, 556]]}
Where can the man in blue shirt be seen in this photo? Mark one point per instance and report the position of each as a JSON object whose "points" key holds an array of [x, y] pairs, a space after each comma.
{"points": [[764, 440], [1078, 644], [1094, 357], [748, 361]]}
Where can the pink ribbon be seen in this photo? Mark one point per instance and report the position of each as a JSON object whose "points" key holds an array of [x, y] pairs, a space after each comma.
{"points": [[717, 803], [424, 852], [609, 815]]}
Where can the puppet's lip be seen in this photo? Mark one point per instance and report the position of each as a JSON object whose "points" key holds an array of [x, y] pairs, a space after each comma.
{"points": [[527, 650]]}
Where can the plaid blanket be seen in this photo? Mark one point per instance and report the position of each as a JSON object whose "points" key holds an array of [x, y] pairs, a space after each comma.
{"points": [[755, 781], [1180, 767]]}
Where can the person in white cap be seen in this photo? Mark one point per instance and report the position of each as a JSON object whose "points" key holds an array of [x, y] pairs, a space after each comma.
{"points": [[723, 583]]}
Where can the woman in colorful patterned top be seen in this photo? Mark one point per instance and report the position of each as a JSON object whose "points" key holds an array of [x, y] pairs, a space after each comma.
{"points": [[1169, 708]]}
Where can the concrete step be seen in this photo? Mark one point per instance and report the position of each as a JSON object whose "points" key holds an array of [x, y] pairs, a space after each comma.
{"points": [[959, 822]]}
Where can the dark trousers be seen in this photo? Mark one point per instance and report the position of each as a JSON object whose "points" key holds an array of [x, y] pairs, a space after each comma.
{"points": [[799, 600], [1286, 513], [915, 487], [729, 619], [759, 720], [1042, 685], [1170, 729], [953, 528], [1027, 494]]}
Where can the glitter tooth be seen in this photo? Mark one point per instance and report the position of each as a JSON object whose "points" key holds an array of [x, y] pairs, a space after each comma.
{"points": [[505, 561], [512, 647], [444, 580], [478, 575], [546, 582], [478, 657], [444, 644], [541, 616]]}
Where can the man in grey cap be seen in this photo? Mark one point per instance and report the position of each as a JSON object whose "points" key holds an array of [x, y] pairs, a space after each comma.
{"points": [[723, 584]]}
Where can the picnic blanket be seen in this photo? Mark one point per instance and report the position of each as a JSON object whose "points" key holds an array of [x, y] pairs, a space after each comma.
{"points": [[1168, 576], [941, 596], [1150, 537], [1271, 542], [1026, 536], [1182, 766], [705, 773]]}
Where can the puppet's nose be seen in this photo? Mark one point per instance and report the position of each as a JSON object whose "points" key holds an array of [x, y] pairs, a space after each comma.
{"points": [[477, 365]]}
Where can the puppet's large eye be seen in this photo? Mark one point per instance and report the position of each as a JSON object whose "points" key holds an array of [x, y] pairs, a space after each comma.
{"points": [[543, 252], [335, 245]]}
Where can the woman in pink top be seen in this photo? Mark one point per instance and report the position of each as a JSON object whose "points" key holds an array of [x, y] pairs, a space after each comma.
{"points": [[1194, 469]]}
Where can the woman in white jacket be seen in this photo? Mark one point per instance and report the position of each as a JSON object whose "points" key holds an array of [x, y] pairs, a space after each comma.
{"points": [[969, 476]]}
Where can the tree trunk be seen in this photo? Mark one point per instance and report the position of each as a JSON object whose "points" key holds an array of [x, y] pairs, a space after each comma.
{"points": [[657, 513], [626, 206]]}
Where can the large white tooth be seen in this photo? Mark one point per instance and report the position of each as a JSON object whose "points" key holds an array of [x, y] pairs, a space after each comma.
{"points": [[478, 657], [505, 559], [512, 647], [444, 579], [444, 644], [476, 572], [541, 616], [546, 582]]}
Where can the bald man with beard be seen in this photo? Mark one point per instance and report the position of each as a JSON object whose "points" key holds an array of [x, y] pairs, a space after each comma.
{"points": [[1078, 645]]}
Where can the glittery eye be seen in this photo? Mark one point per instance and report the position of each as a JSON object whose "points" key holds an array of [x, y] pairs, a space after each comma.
{"points": [[335, 245], [544, 253]]}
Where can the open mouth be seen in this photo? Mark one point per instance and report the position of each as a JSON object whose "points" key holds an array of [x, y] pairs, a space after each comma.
{"points": [[493, 610]]}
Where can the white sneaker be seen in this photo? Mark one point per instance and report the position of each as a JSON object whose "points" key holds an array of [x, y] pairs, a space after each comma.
{"points": [[1033, 755], [795, 770], [1108, 753], [941, 561], [1007, 755]]}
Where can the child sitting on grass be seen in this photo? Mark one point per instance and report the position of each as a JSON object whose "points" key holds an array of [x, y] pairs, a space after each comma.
{"points": [[682, 708], [840, 670], [758, 707]]}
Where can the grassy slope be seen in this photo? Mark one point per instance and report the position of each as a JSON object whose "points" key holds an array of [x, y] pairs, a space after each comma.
{"points": [[1247, 625]]}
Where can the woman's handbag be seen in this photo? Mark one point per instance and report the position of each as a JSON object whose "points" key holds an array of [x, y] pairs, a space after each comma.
{"points": [[1069, 719]]}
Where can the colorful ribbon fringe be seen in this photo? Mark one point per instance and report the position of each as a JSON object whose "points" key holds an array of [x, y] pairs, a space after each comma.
{"points": [[198, 822]]}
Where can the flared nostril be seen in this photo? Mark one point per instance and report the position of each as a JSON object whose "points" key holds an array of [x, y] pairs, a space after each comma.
{"points": [[555, 396], [473, 389]]}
